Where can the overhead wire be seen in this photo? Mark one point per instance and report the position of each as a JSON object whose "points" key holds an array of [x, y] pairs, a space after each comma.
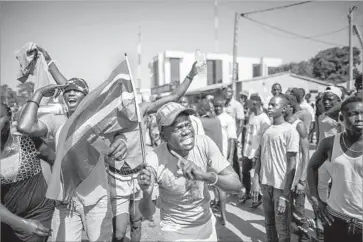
{"points": [[274, 8], [292, 33], [328, 33]]}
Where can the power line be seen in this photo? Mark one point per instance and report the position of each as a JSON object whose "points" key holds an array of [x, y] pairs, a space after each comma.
{"points": [[275, 8], [294, 34], [323, 34]]}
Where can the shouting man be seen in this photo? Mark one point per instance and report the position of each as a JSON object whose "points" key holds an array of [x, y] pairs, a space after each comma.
{"points": [[182, 167]]}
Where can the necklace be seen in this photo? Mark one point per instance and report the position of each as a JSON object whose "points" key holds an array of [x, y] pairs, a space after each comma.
{"points": [[347, 145]]}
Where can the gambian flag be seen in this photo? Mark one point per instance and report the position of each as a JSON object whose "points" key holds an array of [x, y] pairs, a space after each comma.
{"points": [[108, 109]]}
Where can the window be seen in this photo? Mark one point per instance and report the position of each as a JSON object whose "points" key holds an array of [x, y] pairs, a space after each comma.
{"points": [[256, 70], [271, 70], [156, 73], [174, 69], [214, 72]]}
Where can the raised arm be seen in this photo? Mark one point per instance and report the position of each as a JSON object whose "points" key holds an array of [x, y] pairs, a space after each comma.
{"points": [[28, 122], [53, 69], [152, 107]]}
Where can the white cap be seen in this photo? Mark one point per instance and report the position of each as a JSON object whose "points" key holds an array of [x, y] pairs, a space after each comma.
{"points": [[335, 90]]}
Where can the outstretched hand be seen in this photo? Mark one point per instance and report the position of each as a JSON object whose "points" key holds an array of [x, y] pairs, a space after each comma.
{"points": [[189, 169]]}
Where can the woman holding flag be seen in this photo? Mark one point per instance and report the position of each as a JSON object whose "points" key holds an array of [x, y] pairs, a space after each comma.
{"points": [[89, 208]]}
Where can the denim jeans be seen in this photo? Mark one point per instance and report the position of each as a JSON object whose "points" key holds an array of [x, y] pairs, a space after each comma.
{"points": [[338, 231], [246, 172], [298, 209], [277, 226]]}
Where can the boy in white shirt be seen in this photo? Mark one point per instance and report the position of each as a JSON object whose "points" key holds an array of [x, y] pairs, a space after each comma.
{"points": [[276, 170]]}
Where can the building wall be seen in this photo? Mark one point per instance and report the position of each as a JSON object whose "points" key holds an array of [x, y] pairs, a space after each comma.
{"points": [[263, 86], [245, 67]]}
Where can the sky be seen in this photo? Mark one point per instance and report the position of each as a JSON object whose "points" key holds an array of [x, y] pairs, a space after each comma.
{"points": [[89, 39]]}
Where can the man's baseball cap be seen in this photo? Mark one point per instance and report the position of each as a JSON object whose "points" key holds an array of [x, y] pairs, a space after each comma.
{"points": [[77, 84], [167, 114], [335, 90]]}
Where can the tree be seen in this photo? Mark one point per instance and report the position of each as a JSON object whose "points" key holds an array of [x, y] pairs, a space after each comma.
{"points": [[303, 68], [26, 89], [8, 95], [333, 64], [330, 65]]}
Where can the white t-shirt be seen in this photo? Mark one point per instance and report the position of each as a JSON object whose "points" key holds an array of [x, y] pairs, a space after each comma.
{"points": [[309, 108], [235, 109], [256, 126], [95, 186], [229, 131], [276, 142], [184, 203]]}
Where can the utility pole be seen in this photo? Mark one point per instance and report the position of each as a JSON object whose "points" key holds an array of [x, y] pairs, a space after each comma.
{"points": [[235, 38], [356, 32], [350, 20], [139, 60], [216, 25]]}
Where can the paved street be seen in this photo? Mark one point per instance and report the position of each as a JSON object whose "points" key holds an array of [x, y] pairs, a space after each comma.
{"points": [[244, 224]]}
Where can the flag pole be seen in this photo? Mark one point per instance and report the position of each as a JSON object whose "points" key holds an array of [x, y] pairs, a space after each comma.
{"points": [[139, 118]]}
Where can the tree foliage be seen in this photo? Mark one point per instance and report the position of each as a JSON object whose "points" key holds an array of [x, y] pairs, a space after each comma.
{"points": [[26, 89], [329, 65], [8, 95]]}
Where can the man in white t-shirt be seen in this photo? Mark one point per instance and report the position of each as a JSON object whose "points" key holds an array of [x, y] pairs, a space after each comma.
{"points": [[257, 125], [275, 170], [179, 166]]}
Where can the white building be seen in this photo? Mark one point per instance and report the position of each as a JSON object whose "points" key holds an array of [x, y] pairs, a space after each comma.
{"points": [[171, 67]]}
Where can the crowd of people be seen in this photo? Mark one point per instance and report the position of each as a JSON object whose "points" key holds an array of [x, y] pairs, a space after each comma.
{"points": [[219, 146]]}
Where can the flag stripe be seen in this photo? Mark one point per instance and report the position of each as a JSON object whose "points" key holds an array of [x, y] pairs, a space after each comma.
{"points": [[109, 109], [119, 76]]}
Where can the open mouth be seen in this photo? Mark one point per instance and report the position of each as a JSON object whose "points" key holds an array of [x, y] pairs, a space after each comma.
{"points": [[187, 141], [72, 101]]}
